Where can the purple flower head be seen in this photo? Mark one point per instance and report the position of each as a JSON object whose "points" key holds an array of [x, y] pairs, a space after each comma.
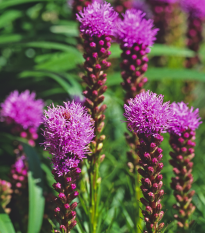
{"points": [[194, 7], [68, 131], [166, 1], [186, 118], [147, 113], [22, 109], [97, 19], [134, 28]]}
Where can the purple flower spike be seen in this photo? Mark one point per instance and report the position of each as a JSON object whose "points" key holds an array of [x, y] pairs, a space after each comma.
{"points": [[68, 131], [97, 19], [134, 28], [182, 138], [147, 114], [22, 109], [186, 118]]}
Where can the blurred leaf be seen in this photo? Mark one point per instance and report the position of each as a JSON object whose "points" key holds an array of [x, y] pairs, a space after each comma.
{"points": [[66, 85], [166, 50], [8, 17], [161, 73], [6, 225], [10, 3], [71, 28], [157, 50], [49, 174], [62, 61], [49, 45], [36, 198], [5, 39]]}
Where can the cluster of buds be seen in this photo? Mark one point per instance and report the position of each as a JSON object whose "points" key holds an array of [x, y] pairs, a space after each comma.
{"points": [[151, 165], [134, 65], [183, 147], [5, 194], [122, 5], [65, 186], [194, 39], [19, 176]]}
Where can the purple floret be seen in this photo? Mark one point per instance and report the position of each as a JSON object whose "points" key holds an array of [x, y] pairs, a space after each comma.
{"points": [[68, 131], [134, 28], [22, 109], [147, 113], [186, 118], [97, 19], [194, 7]]}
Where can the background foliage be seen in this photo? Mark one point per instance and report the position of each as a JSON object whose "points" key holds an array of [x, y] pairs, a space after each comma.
{"points": [[40, 51]]}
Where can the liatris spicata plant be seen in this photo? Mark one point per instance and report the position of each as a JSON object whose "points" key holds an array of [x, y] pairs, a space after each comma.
{"points": [[97, 24], [196, 13], [68, 131], [5, 194], [122, 5], [148, 117], [135, 35], [182, 136], [23, 113]]}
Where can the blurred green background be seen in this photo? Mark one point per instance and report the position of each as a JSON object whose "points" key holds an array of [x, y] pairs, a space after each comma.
{"points": [[40, 51]]}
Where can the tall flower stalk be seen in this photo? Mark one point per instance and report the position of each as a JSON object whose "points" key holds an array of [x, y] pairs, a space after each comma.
{"points": [[135, 35], [196, 14], [68, 131], [97, 23], [182, 136], [148, 117]]}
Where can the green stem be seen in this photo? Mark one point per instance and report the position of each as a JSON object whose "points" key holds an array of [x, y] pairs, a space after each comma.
{"points": [[138, 195]]}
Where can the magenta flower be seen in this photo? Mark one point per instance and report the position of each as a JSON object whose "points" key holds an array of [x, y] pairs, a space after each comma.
{"points": [[22, 109], [134, 28], [147, 113], [185, 118], [194, 7], [68, 131], [97, 19]]}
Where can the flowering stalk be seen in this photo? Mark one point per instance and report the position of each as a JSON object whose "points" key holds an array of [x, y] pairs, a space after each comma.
{"points": [[5, 194], [148, 117], [135, 35], [97, 22], [68, 131], [182, 136], [196, 14], [169, 18]]}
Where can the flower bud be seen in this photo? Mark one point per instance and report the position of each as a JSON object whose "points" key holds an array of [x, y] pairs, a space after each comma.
{"points": [[149, 210], [144, 202]]}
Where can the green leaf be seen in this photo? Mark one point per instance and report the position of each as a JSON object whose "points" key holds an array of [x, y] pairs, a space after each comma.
{"points": [[66, 86], [9, 3], [8, 17], [49, 174], [6, 225], [49, 45], [70, 29], [36, 198], [179, 74], [5, 39], [161, 73], [157, 50], [62, 61], [166, 50]]}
